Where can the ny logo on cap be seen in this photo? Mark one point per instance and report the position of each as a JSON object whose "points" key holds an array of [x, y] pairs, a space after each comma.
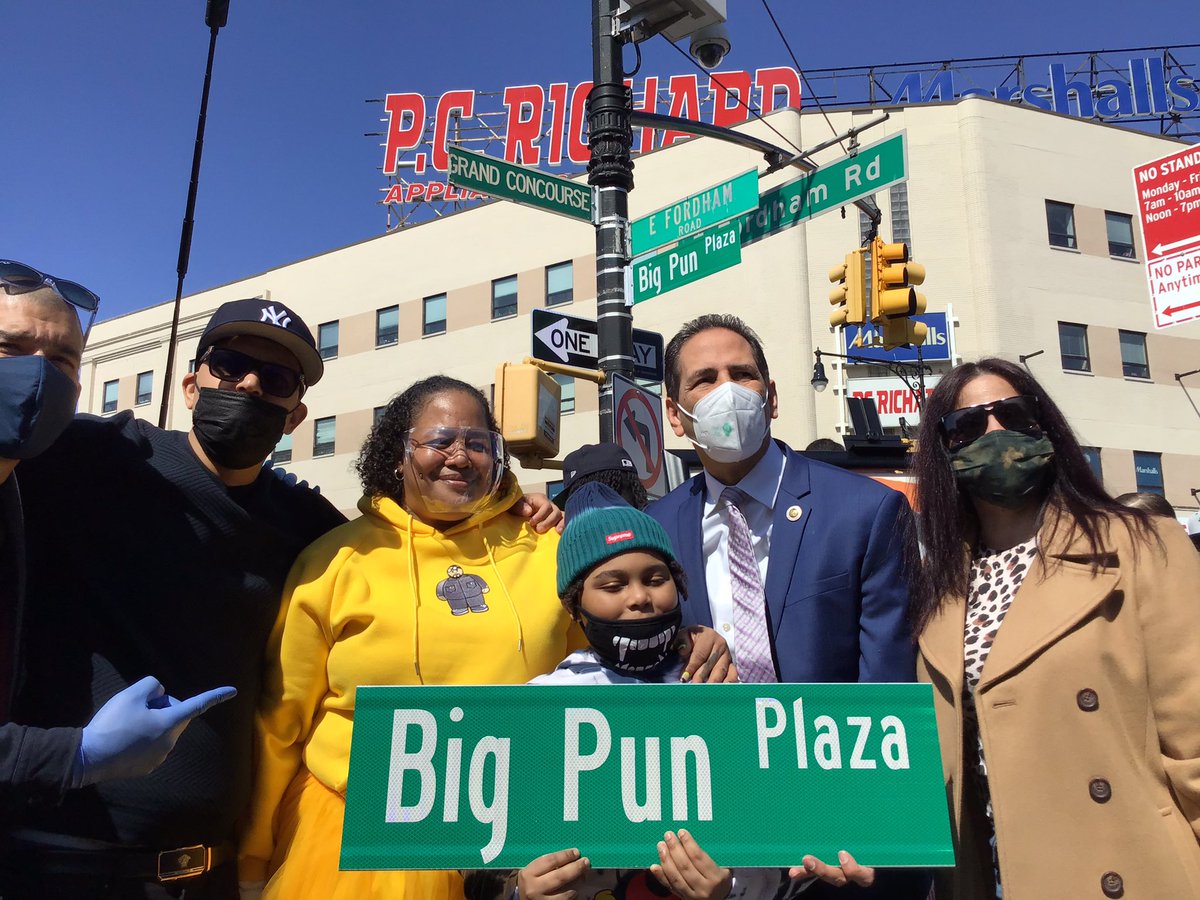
{"points": [[280, 317]]}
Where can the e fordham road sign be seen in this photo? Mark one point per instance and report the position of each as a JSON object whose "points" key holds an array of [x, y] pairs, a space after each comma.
{"points": [[572, 341], [688, 261], [718, 203], [457, 777], [875, 167], [529, 187], [1168, 200]]}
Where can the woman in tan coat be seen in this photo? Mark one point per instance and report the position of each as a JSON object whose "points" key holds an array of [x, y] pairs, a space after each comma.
{"points": [[1061, 634]]}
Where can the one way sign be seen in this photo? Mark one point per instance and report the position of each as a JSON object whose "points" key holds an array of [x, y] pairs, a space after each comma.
{"points": [[571, 341]]}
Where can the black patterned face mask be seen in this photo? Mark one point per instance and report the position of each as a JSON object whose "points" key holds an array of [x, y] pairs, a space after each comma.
{"points": [[633, 646], [1005, 468]]}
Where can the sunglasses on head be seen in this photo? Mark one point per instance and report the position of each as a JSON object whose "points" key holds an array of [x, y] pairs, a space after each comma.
{"points": [[18, 278], [233, 365], [968, 424]]}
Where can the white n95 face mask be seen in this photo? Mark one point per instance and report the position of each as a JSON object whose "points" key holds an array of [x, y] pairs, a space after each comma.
{"points": [[730, 422]]}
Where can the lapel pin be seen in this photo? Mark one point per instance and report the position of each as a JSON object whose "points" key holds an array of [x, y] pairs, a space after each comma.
{"points": [[794, 513]]}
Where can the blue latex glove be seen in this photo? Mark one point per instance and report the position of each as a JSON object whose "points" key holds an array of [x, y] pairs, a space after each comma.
{"points": [[135, 730], [289, 478]]}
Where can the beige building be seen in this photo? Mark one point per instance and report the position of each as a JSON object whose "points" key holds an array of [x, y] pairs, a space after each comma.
{"points": [[1022, 218]]}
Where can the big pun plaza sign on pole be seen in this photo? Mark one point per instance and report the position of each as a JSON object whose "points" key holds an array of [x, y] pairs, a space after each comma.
{"points": [[1168, 201]]}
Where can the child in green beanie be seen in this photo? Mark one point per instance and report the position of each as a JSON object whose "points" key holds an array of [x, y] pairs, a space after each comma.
{"points": [[618, 577]]}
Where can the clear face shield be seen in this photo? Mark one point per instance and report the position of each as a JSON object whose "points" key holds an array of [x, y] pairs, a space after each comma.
{"points": [[457, 470]]}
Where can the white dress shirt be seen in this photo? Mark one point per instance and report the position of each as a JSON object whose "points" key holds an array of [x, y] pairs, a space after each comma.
{"points": [[761, 486]]}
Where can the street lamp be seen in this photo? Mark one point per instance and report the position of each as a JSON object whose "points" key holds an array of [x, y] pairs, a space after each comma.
{"points": [[819, 380], [912, 374], [1025, 357]]}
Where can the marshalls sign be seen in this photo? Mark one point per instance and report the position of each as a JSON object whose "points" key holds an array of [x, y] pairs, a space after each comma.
{"points": [[468, 777]]}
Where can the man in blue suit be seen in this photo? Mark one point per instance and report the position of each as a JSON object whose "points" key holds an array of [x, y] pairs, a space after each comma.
{"points": [[828, 544], [800, 567]]}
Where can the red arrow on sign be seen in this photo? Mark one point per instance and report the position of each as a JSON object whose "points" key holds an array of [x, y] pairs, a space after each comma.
{"points": [[1171, 310]]}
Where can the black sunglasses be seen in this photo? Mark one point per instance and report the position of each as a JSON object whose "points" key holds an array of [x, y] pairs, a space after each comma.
{"points": [[233, 365], [18, 278], [968, 424]]}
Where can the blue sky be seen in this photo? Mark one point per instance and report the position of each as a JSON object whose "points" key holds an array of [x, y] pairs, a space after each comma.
{"points": [[101, 99]]}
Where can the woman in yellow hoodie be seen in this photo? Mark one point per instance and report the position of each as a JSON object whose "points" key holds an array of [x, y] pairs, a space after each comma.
{"points": [[437, 583]]}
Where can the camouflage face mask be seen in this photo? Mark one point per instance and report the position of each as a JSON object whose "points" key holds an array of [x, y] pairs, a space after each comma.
{"points": [[1006, 468]]}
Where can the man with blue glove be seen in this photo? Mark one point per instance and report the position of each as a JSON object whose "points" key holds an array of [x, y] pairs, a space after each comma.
{"points": [[41, 340], [179, 545]]}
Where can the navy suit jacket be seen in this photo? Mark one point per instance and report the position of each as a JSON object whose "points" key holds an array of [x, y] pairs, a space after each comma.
{"points": [[837, 592]]}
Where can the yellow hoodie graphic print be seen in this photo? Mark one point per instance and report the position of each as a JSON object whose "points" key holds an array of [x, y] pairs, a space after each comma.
{"points": [[362, 606]]}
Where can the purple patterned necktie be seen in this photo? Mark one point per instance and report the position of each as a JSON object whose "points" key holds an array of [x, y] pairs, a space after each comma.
{"points": [[749, 601]]}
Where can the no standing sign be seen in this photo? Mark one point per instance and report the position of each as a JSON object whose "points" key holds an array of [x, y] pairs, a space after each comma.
{"points": [[1168, 198]]}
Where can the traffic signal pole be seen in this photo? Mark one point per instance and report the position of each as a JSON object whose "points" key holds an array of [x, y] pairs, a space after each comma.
{"points": [[610, 172]]}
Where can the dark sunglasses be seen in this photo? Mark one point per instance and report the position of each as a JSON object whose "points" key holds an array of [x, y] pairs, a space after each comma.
{"points": [[18, 278], [968, 424], [233, 365]]}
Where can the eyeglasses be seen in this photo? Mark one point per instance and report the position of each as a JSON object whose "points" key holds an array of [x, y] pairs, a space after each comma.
{"points": [[18, 278], [478, 443], [233, 365], [968, 424]]}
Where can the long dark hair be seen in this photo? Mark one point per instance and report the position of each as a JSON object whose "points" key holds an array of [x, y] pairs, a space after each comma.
{"points": [[946, 517], [383, 451]]}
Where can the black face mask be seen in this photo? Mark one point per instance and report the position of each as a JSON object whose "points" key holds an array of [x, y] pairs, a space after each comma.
{"points": [[237, 430], [37, 402], [633, 646]]}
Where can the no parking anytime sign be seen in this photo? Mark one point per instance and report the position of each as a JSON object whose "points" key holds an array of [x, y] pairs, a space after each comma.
{"points": [[638, 425]]}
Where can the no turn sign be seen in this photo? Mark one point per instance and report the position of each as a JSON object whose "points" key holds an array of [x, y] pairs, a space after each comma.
{"points": [[639, 432]]}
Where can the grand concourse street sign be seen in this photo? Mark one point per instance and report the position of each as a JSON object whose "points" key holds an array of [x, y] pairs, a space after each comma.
{"points": [[528, 187], [710, 206]]}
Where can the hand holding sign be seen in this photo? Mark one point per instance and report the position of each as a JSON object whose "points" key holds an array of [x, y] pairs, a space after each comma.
{"points": [[552, 876], [689, 871], [849, 872]]}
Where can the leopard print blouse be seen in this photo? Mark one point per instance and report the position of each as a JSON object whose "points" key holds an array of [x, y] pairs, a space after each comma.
{"points": [[995, 578]]}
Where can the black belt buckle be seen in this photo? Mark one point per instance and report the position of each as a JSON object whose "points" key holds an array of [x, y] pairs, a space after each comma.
{"points": [[183, 862]]}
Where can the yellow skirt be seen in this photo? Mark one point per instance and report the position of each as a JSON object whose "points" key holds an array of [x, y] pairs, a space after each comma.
{"points": [[309, 842]]}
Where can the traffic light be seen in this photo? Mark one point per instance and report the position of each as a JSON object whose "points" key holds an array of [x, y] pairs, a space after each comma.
{"points": [[848, 295], [895, 300], [527, 406]]}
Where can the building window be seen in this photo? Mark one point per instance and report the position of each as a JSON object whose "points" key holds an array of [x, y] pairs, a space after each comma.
{"points": [[1092, 455], [898, 197], [1060, 220], [1134, 361], [376, 415], [1120, 234], [191, 366], [554, 488], [323, 436], [560, 284], [327, 340], [387, 326], [283, 450], [145, 388], [1147, 467], [1073, 343], [110, 396], [504, 297], [433, 315]]}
